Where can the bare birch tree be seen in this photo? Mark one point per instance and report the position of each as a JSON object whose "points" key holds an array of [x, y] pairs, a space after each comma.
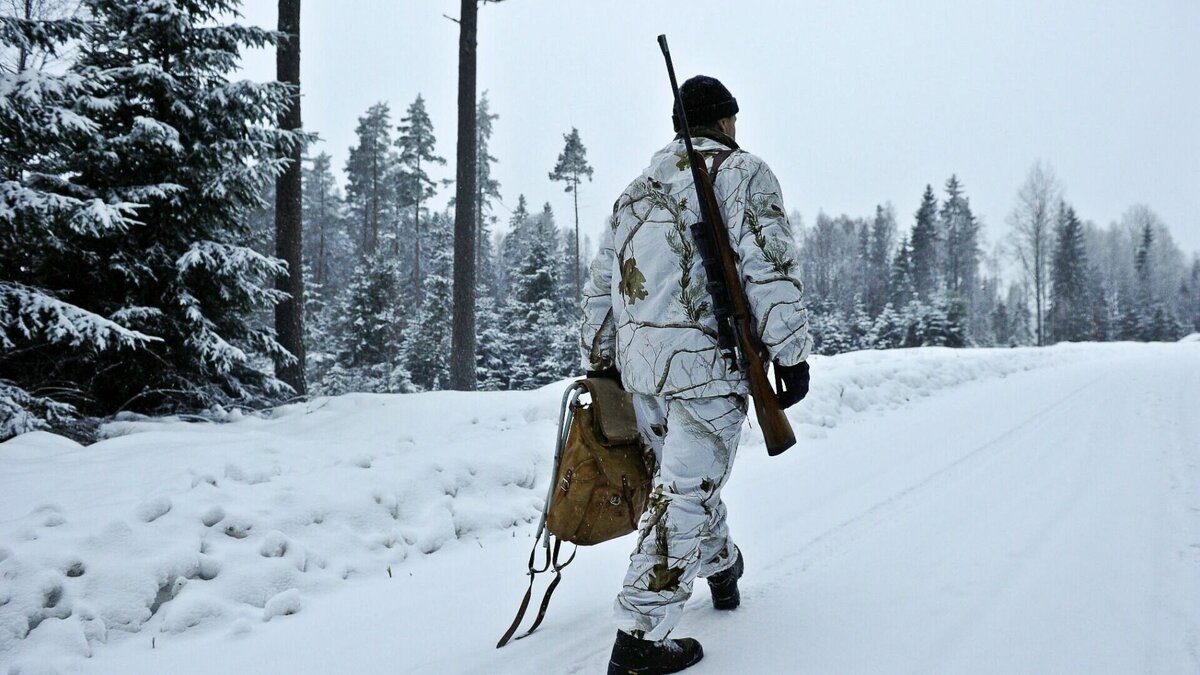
{"points": [[1032, 220]]}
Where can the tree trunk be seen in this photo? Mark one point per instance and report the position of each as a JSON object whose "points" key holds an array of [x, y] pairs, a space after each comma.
{"points": [[23, 58], [289, 314], [321, 248], [462, 357], [417, 237], [374, 238], [575, 193]]}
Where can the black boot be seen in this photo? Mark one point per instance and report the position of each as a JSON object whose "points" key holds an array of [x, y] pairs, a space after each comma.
{"points": [[631, 656], [724, 585]]}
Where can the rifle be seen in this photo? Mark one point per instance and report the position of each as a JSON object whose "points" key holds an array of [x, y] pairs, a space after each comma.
{"points": [[737, 339]]}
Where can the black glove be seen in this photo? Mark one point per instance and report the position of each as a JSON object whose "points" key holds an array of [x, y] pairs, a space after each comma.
{"points": [[610, 373], [791, 383]]}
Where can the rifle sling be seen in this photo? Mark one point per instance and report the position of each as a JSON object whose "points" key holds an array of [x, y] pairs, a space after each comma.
{"points": [[717, 162]]}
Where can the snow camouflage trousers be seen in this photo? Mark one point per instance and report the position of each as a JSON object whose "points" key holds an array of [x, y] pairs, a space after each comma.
{"points": [[682, 534]]}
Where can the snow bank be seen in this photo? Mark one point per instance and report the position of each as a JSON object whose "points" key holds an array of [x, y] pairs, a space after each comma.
{"points": [[169, 526]]}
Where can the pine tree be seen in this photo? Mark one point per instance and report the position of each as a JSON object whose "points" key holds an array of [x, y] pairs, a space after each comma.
{"points": [[289, 219], [370, 176], [327, 248], [329, 259], [1069, 314], [924, 246], [416, 143], [571, 168], [487, 188]]}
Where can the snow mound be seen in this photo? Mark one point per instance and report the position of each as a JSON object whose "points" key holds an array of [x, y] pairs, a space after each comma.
{"points": [[1194, 337], [170, 526]]}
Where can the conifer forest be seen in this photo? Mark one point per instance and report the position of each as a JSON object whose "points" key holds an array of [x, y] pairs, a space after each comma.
{"points": [[171, 240]]}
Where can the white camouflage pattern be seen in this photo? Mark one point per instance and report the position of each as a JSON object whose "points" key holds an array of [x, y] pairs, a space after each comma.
{"points": [[682, 534], [645, 307]]}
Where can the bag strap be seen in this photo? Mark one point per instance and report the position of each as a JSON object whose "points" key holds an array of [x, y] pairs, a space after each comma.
{"points": [[551, 561]]}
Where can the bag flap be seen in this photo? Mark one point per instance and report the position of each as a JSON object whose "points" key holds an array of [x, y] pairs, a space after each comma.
{"points": [[612, 409]]}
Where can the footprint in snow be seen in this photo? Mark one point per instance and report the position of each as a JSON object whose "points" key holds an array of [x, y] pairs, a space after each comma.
{"points": [[238, 529], [212, 516], [152, 509]]}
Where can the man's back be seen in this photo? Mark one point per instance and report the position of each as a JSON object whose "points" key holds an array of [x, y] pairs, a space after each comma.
{"points": [[661, 332]]}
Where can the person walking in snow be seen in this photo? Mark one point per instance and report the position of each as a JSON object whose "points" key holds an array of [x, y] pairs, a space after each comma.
{"points": [[647, 322]]}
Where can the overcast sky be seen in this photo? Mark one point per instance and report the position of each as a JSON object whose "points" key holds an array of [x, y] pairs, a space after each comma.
{"points": [[851, 103]]}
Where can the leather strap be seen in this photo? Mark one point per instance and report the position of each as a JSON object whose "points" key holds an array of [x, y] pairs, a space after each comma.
{"points": [[528, 592], [551, 562], [717, 162], [550, 589]]}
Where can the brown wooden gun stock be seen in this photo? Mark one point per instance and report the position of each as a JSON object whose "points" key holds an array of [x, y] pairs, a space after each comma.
{"points": [[777, 430]]}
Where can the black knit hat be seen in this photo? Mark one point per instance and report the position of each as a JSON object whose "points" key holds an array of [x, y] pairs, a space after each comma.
{"points": [[705, 100]]}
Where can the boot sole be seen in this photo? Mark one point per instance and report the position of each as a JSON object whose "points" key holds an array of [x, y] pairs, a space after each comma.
{"points": [[616, 669]]}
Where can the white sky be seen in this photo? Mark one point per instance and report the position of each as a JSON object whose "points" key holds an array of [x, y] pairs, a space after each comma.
{"points": [[851, 103]]}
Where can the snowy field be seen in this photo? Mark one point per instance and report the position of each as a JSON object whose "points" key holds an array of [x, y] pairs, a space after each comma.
{"points": [[945, 511]]}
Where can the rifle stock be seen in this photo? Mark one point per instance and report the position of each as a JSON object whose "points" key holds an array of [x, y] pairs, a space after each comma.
{"points": [[729, 295]]}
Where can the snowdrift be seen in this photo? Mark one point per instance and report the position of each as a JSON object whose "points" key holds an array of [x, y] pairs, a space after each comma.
{"points": [[170, 526]]}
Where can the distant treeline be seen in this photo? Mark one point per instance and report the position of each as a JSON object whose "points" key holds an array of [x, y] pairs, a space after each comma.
{"points": [[872, 285]]}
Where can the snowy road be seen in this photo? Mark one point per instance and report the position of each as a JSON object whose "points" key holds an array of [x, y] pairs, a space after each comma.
{"points": [[1045, 522]]}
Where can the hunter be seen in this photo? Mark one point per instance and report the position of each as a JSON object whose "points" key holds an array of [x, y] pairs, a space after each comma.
{"points": [[647, 322]]}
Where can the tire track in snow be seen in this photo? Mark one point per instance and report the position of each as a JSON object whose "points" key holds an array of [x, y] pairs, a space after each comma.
{"points": [[839, 538]]}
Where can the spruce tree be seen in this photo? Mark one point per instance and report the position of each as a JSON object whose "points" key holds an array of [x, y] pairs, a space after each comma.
{"points": [[571, 168], [427, 337], [960, 267], [901, 288], [883, 231], [1069, 313], [53, 224], [416, 143], [370, 336], [512, 249], [194, 151], [1194, 283], [534, 314], [1141, 263], [924, 246]]}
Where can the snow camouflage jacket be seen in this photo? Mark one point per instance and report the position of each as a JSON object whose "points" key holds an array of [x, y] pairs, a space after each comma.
{"points": [[645, 306]]}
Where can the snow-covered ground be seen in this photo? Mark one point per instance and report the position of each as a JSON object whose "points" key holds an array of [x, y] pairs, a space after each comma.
{"points": [[944, 511]]}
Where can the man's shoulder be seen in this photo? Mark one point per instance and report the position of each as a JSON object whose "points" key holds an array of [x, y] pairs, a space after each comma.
{"points": [[746, 161]]}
